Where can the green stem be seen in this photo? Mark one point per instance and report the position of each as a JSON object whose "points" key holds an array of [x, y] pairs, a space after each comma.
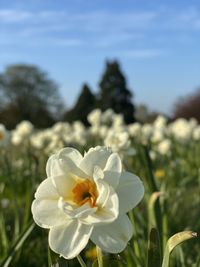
{"points": [[99, 256], [135, 237], [81, 261], [166, 258]]}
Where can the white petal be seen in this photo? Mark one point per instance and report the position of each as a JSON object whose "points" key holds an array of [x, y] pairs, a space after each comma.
{"points": [[66, 161], [46, 190], [64, 184], [70, 160], [97, 156], [98, 173], [130, 191], [113, 237], [71, 153], [75, 212], [104, 192], [69, 239], [113, 169], [47, 214], [108, 206], [53, 166]]}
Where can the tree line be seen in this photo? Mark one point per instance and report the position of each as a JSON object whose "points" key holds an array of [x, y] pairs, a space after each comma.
{"points": [[27, 93]]}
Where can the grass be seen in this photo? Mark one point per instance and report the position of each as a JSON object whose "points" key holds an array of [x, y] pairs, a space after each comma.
{"points": [[176, 174]]}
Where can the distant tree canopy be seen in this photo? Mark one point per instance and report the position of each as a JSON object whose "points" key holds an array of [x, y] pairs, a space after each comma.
{"points": [[114, 93], [27, 93], [187, 107], [84, 105]]}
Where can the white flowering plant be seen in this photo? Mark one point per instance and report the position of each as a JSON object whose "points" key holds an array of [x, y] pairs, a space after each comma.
{"points": [[82, 186]]}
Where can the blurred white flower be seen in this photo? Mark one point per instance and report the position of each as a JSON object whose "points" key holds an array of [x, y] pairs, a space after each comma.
{"points": [[22, 132], [79, 133], [60, 127], [107, 116], [164, 147], [157, 135], [103, 131], [16, 139], [146, 133], [86, 197], [160, 122], [118, 120], [182, 129], [94, 117], [24, 128], [5, 202], [134, 129], [117, 141], [196, 133], [55, 144], [37, 140]]}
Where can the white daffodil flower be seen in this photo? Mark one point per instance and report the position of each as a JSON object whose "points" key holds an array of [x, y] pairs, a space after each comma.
{"points": [[86, 198]]}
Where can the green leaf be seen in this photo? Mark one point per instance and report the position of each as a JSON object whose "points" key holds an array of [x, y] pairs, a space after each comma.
{"points": [[151, 208], [154, 255], [3, 235], [52, 258], [174, 241], [18, 244]]}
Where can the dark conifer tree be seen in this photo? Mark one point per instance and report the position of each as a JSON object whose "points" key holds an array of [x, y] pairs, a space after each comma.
{"points": [[114, 92], [83, 106]]}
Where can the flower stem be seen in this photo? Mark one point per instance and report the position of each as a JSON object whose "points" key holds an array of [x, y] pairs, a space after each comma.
{"points": [[81, 261], [99, 257]]}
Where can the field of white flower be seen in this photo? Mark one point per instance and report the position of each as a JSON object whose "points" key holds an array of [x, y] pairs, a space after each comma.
{"points": [[92, 188]]}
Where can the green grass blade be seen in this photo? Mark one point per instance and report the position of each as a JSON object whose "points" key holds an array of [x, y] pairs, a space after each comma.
{"points": [[154, 255], [18, 244]]}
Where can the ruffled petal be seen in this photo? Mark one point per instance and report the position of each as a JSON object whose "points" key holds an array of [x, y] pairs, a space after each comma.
{"points": [[64, 184], [75, 212], [66, 161], [46, 190], [113, 169], [47, 214], [113, 237], [97, 156], [107, 206], [69, 239], [71, 153], [53, 167], [130, 191]]}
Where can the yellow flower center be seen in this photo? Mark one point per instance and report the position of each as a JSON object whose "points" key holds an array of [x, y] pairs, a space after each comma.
{"points": [[1, 136], [160, 174], [85, 191]]}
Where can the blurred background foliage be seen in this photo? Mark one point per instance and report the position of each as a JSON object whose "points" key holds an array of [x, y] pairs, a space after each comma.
{"points": [[26, 92]]}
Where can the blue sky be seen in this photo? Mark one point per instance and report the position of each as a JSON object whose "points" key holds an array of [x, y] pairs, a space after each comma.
{"points": [[157, 43]]}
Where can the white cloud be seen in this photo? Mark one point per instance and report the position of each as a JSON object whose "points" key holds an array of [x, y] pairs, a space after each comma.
{"points": [[185, 19], [109, 40], [142, 53], [13, 16], [60, 42], [97, 28]]}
